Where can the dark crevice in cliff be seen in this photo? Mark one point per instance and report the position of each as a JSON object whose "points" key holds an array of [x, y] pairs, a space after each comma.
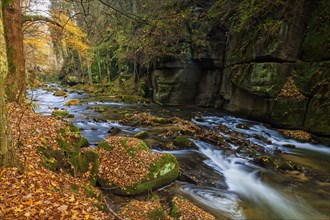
{"points": [[262, 60]]}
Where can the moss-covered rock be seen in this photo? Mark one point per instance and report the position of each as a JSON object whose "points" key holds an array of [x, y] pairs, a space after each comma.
{"points": [[72, 102], [99, 109], [62, 113], [67, 155], [265, 161], [60, 93], [184, 142], [142, 135], [128, 166]]}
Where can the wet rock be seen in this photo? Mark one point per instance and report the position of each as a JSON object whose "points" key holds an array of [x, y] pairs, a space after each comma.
{"points": [[72, 102], [265, 161], [262, 138], [99, 109], [62, 113], [128, 166], [287, 165], [142, 135], [60, 93], [243, 126], [114, 130], [289, 146], [183, 142]]}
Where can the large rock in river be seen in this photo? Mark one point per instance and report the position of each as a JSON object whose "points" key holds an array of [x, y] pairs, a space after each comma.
{"points": [[128, 166]]}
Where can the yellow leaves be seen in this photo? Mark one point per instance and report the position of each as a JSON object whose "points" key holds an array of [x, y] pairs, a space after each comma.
{"points": [[72, 36]]}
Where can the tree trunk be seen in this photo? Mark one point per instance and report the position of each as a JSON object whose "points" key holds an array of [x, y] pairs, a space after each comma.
{"points": [[6, 146], [15, 82]]}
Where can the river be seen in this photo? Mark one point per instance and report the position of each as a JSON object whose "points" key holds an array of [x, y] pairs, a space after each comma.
{"points": [[231, 185]]}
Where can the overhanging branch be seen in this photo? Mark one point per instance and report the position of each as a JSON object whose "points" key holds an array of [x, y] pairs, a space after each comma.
{"points": [[32, 18]]}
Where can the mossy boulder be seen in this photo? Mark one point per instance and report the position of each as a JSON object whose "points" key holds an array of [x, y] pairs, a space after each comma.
{"points": [[72, 102], [60, 93], [128, 166], [68, 156], [265, 161], [62, 113], [142, 135], [183, 142]]}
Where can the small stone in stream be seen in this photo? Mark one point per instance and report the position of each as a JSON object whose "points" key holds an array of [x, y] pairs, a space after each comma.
{"points": [[200, 119], [286, 166], [93, 128], [243, 126], [289, 146], [60, 93], [142, 135], [72, 102], [262, 138], [62, 113], [264, 161], [114, 130]]}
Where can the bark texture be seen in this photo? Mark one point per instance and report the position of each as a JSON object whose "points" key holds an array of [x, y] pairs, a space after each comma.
{"points": [[6, 146], [15, 82]]}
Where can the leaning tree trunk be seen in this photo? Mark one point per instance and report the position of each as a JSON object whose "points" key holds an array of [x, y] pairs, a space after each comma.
{"points": [[15, 82], [6, 146]]}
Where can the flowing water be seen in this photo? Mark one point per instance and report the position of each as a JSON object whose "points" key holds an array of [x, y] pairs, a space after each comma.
{"points": [[230, 185]]}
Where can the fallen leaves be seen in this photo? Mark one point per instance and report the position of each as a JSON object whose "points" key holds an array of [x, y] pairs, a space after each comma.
{"points": [[34, 192], [188, 211], [125, 167]]}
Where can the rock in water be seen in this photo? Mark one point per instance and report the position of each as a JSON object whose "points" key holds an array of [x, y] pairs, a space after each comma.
{"points": [[128, 166]]}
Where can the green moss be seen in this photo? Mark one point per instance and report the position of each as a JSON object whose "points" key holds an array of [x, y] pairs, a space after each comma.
{"points": [[62, 113], [75, 189], [142, 135], [162, 172], [183, 142], [105, 145], [85, 159], [157, 213]]}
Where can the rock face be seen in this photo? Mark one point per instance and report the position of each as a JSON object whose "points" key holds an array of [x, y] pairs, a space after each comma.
{"points": [[267, 65], [129, 167]]}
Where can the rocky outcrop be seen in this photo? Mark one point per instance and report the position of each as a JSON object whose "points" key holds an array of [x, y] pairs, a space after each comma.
{"points": [[272, 64]]}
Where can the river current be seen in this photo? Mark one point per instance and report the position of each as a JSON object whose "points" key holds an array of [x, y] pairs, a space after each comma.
{"points": [[233, 187]]}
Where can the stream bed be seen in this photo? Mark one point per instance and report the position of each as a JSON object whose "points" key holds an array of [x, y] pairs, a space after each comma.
{"points": [[225, 182]]}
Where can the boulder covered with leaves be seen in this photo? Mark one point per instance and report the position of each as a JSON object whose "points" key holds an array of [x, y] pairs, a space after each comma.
{"points": [[128, 167]]}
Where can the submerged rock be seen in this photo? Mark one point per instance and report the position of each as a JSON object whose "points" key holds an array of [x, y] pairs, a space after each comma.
{"points": [[128, 166]]}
